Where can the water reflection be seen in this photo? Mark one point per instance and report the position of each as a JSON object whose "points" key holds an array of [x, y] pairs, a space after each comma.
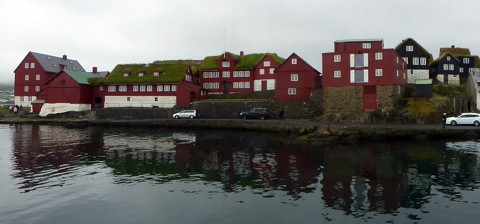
{"points": [[353, 179]]}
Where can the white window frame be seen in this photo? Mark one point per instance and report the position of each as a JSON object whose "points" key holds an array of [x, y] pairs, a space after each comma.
{"points": [[460, 69], [405, 59], [247, 85], [225, 64], [135, 88], [37, 89], [140, 74], [240, 85], [409, 48], [149, 88], [226, 74], [235, 85], [337, 58], [158, 74], [451, 67], [294, 77], [262, 71], [126, 74], [173, 88], [100, 88], [27, 65], [292, 91], [37, 77], [366, 45], [27, 77], [294, 61], [337, 74], [272, 71], [166, 88], [122, 88], [247, 74], [235, 74], [142, 88], [415, 61], [423, 61], [466, 60], [379, 72], [160, 88], [445, 67], [266, 63], [112, 89], [379, 56], [32, 64]]}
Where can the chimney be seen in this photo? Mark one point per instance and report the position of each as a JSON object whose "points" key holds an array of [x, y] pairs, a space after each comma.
{"points": [[241, 53], [94, 70], [453, 46], [64, 57]]}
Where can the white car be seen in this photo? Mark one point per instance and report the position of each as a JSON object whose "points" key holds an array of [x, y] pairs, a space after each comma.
{"points": [[186, 114], [464, 119]]}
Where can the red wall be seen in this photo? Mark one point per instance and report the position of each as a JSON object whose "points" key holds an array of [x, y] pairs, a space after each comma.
{"points": [[20, 73], [64, 89]]}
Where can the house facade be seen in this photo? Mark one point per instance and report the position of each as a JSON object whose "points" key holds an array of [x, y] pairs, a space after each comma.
{"points": [[296, 80], [361, 75], [446, 69], [34, 71], [417, 59], [163, 84], [68, 91], [231, 73]]}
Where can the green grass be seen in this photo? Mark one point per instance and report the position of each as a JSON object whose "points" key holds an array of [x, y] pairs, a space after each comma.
{"points": [[449, 90]]}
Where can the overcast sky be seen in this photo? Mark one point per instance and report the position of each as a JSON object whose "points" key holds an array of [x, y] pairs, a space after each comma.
{"points": [[105, 33]]}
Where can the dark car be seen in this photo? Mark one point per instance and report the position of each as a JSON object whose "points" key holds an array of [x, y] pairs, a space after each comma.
{"points": [[255, 113]]}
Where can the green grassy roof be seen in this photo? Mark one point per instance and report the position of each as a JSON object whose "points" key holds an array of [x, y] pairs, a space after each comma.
{"points": [[170, 72], [81, 77], [455, 51], [248, 61]]}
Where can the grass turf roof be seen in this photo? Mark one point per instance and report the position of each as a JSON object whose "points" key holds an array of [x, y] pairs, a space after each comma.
{"points": [[170, 72], [248, 61], [455, 51]]}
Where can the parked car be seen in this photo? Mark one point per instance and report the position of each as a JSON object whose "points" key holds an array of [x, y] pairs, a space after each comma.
{"points": [[186, 114], [255, 113], [464, 119]]}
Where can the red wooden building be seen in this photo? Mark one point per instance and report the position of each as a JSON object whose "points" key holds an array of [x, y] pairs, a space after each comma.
{"points": [[230, 73], [33, 73], [68, 91], [296, 80], [162, 84], [377, 76]]}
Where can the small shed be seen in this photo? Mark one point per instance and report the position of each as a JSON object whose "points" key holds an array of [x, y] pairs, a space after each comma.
{"points": [[424, 88]]}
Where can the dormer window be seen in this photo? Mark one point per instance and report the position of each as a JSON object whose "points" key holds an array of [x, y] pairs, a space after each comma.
{"points": [[156, 73], [125, 74], [225, 64], [140, 74]]}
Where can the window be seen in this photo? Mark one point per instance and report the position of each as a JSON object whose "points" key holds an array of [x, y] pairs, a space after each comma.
{"points": [[140, 74], [292, 91], [125, 74], [149, 88], [240, 85], [294, 77], [359, 60], [266, 63], [460, 69], [32, 65], [247, 85], [30, 98], [22, 98], [272, 71], [112, 88], [359, 76], [466, 60], [378, 56], [423, 61], [159, 88], [337, 58], [166, 88], [448, 58], [471, 69], [378, 72], [262, 71], [142, 88], [100, 88], [337, 74], [226, 74], [37, 77], [405, 59], [158, 74], [205, 75], [409, 48], [122, 88], [135, 88], [27, 77], [294, 61], [174, 88], [225, 64], [451, 67], [235, 74], [235, 85], [366, 45], [156, 99], [37, 89], [415, 61], [445, 67], [27, 65], [128, 98], [247, 73]]}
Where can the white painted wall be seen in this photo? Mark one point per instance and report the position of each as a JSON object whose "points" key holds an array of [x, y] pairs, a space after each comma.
{"points": [[414, 74], [257, 84], [25, 102], [58, 108], [140, 101], [452, 79]]}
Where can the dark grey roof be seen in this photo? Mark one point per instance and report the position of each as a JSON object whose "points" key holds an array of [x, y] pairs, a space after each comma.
{"points": [[103, 74], [54, 64]]}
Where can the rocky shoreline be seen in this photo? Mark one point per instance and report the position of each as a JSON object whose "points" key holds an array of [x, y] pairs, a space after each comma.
{"points": [[299, 130]]}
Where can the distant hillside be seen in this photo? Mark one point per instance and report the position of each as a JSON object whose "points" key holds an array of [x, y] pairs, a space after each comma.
{"points": [[4, 87]]}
